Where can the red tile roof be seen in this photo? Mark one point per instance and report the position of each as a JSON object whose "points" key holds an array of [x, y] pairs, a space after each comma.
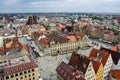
{"points": [[114, 48], [96, 65], [79, 62], [26, 47], [72, 38], [68, 73], [115, 55], [15, 44], [18, 68], [93, 53], [116, 74], [99, 55]]}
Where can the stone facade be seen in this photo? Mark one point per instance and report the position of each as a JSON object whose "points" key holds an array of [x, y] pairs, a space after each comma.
{"points": [[66, 47]]}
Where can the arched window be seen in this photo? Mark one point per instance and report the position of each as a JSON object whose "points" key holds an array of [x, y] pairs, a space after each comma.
{"points": [[16, 74], [20, 73], [12, 76], [7, 77], [25, 72]]}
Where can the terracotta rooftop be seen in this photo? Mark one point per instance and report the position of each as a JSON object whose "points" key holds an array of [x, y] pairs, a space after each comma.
{"points": [[115, 55], [12, 44], [79, 62], [116, 74], [96, 65], [72, 38], [99, 55], [67, 72], [26, 47], [18, 68], [114, 48], [58, 37]]}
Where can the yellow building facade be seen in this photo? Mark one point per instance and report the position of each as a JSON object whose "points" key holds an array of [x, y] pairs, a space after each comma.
{"points": [[99, 74]]}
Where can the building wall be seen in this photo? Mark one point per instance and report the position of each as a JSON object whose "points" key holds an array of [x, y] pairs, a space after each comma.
{"points": [[107, 67], [31, 74], [90, 74], [99, 74], [4, 63], [68, 47]]}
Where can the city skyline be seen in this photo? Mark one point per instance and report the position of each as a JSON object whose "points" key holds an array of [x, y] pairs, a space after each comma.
{"points": [[30, 6]]}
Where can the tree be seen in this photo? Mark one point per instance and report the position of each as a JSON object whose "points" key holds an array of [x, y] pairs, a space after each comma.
{"points": [[1, 26]]}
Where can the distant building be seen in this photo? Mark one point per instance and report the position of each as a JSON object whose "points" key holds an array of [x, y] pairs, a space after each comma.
{"points": [[108, 35], [32, 20], [19, 33], [60, 43]]}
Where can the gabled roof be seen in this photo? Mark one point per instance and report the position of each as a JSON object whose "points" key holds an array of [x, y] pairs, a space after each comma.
{"points": [[67, 72], [115, 55], [93, 53], [18, 68], [96, 65], [114, 48], [79, 62], [99, 55]]}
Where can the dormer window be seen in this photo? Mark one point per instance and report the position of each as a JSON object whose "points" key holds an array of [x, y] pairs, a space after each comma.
{"points": [[99, 57], [84, 65]]}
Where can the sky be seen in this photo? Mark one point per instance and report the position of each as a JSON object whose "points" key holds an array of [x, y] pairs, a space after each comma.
{"points": [[26, 6]]}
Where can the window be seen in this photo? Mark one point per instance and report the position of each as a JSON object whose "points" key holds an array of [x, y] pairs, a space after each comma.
{"points": [[29, 71], [64, 74], [33, 74], [25, 76], [16, 74], [0, 62], [12, 76], [33, 78], [7, 77], [32, 69], [21, 77], [20, 73], [25, 72], [16, 78]]}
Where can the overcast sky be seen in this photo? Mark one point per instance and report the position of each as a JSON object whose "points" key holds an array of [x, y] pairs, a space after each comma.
{"points": [[16, 6]]}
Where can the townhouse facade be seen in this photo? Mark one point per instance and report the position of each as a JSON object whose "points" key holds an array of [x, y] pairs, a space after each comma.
{"points": [[84, 65], [105, 58]]}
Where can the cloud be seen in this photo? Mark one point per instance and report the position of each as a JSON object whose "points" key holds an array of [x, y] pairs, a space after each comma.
{"points": [[59, 6]]}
